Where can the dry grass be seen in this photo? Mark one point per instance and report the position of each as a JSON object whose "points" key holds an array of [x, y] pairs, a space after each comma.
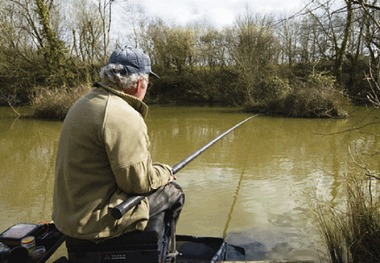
{"points": [[308, 102], [55, 103], [353, 235]]}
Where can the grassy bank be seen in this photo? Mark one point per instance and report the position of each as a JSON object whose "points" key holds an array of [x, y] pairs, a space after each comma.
{"points": [[352, 233], [315, 97], [55, 103]]}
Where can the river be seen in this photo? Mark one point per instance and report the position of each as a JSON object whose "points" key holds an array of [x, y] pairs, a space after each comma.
{"points": [[256, 187]]}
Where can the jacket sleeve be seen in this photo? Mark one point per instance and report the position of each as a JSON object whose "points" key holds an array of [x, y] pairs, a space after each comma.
{"points": [[142, 177], [127, 146]]}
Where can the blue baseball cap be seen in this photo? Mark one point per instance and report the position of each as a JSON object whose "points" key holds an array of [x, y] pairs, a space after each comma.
{"points": [[133, 60]]}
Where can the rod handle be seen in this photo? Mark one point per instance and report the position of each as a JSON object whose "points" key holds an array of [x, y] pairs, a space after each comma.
{"points": [[118, 211]]}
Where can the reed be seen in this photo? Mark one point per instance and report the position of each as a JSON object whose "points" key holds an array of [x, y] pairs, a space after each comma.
{"points": [[55, 103], [352, 234]]}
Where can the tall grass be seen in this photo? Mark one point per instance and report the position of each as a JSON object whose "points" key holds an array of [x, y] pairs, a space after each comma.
{"points": [[55, 103], [352, 235]]}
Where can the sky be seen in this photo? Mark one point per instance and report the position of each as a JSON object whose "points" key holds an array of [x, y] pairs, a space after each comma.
{"points": [[219, 13]]}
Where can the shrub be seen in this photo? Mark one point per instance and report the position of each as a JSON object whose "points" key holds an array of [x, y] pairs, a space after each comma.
{"points": [[272, 89], [197, 86], [309, 102], [55, 103], [317, 97]]}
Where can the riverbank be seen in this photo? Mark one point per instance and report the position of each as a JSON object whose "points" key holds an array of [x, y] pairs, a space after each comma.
{"points": [[316, 96]]}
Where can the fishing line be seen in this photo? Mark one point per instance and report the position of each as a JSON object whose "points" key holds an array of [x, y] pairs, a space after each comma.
{"points": [[236, 194]]}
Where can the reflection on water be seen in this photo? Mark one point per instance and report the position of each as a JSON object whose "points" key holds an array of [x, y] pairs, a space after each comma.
{"points": [[254, 187], [27, 150]]}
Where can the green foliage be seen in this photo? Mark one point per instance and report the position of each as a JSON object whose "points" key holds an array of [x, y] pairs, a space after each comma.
{"points": [[355, 78], [317, 97], [177, 88], [322, 103], [53, 50], [271, 88], [220, 86]]}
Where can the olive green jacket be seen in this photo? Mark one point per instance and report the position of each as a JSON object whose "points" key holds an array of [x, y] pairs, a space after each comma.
{"points": [[102, 158]]}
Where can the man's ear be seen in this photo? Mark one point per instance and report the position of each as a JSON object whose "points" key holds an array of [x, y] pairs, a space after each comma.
{"points": [[138, 91], [134, 90], [138, 86]]}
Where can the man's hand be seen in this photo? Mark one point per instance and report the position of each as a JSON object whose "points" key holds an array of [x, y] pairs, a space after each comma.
{"points": [[172, 178]]}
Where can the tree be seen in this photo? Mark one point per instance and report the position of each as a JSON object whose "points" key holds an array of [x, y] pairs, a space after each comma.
{"points": [[32, 52], [289, 36], [212, 49], [372, 40], [52, 48], [254, 48], [90, 35], [372, 33], [172, 46], [335, 30]]}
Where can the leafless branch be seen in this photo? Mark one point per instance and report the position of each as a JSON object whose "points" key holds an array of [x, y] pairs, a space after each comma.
{"points": [[375, 88], [9, 99], [366, 5], [355, 128]]}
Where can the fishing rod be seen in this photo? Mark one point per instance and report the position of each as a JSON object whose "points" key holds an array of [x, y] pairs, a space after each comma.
{"points": [[118, 211]]}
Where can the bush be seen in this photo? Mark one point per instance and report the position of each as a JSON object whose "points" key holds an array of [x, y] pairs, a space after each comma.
{"points": [[317, 97], [272, 89], [48, 103], [197, 86], [317, 103]]}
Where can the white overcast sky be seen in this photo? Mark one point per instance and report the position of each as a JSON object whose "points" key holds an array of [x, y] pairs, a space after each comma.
{"points": [[217, 12]]}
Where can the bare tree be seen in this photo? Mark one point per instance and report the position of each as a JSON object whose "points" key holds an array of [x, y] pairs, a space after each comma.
{"points": [[335, 29], [173, 46], [212, 49], [89, 35], [105, 14], [254, 48], [370, 31]]}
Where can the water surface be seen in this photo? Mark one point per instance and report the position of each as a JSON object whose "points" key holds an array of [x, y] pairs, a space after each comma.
{"points": [[254, 187]]}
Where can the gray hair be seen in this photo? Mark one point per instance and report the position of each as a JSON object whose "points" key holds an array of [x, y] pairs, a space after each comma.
{"points": [[116, 76]]}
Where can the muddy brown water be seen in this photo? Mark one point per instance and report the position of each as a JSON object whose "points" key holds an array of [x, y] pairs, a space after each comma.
{"points": [[256, 187]]}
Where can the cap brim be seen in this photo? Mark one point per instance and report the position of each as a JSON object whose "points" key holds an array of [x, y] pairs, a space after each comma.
{"points": [[154, 75]]}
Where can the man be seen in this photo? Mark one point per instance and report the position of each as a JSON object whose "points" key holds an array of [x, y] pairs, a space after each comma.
{"points": [[103, 157]]}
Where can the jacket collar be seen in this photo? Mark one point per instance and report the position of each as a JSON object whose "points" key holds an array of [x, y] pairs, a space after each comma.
{"points": [[137, 104]]}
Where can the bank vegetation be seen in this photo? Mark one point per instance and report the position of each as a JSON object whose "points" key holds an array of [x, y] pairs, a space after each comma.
{"points": [[350, 230], [311, 64]]}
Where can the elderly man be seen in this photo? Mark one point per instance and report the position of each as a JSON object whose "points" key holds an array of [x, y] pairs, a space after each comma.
{"points": [[103, 157]]}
